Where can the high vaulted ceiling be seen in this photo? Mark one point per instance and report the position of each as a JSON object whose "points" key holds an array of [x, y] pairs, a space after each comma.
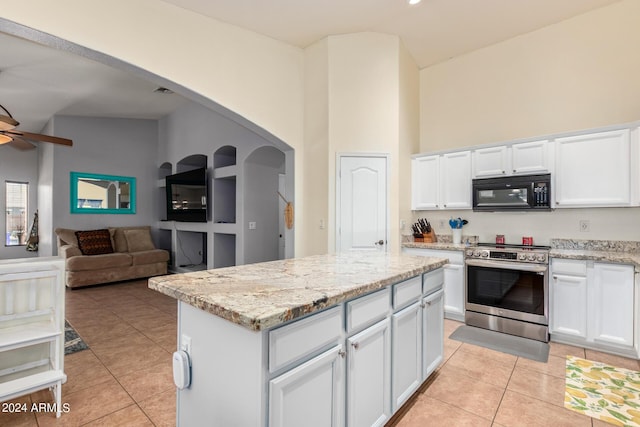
{"points": [[433, 30], [37, 82]]}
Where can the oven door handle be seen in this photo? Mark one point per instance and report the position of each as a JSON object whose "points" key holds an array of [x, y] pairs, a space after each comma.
{"points": [[536, 268]]}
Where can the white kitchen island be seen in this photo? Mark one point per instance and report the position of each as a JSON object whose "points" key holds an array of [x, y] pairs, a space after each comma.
{"points": [[327, 340]]}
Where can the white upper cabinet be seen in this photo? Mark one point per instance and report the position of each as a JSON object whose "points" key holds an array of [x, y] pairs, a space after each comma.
{"points": [[441, 181], [425, 182], [515, 159], [531, 157], [593, 170], [456, 180], [490, 161]]}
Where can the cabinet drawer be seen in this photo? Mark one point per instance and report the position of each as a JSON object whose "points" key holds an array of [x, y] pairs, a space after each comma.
{"points": [[568, 266], [432, 281], [406, 292], [368, 309], [305, 337]]}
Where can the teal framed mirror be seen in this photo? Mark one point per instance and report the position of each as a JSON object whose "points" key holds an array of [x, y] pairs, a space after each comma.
{"points": [[102, 194]]}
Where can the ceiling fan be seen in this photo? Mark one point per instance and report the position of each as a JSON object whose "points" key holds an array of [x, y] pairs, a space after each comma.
{"points": [[19, 139]]}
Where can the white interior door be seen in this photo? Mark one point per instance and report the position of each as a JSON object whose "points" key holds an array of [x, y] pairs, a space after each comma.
{"points": [[362, 213]]}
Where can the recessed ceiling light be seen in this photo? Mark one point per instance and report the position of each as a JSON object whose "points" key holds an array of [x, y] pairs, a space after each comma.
{"points": [[412, 2], [163, 90]]}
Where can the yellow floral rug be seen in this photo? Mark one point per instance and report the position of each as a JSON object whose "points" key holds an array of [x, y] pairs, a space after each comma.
{"points": [[603, 392]]}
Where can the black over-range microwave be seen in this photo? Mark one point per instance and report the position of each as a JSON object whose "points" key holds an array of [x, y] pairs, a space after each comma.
{"points": [[511, 193]]}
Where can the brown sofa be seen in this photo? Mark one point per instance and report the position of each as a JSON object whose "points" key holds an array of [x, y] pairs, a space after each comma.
{"points": [[109, 255]]}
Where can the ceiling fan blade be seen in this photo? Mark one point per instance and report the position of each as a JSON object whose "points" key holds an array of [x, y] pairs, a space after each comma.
{"points": [[21, 144], [40, 137]]}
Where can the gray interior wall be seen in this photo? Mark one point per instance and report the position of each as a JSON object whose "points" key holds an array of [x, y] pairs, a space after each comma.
{"points": [[21, 166], [125, 147], [195, 129], [261, 172]]}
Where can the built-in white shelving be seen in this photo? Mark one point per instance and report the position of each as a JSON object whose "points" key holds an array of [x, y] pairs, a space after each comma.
{"points": [[32, 327]]}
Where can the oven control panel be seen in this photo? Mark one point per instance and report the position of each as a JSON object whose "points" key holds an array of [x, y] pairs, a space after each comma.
{"points": [[501, 254]]}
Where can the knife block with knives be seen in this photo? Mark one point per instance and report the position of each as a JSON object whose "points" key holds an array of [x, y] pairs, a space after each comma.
{"points": [[423, 232]]}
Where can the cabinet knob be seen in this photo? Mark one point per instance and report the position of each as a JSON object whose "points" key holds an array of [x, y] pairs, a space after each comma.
{"points": [[444, 205], [356, 345], [428, 303], [514, 171], [503, 172], [342, 353]]}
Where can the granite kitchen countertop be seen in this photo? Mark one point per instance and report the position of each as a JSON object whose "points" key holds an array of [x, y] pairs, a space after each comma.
{"points": [[444, 243], [613, 251], [263, 295], [632, 258], [437, 245]]}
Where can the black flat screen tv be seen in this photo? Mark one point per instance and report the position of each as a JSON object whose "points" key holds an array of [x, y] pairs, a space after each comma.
{"points": [[187, 196]]}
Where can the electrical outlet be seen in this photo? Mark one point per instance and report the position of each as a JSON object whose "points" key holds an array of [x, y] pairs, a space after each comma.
{"points": [[585, 226], [443, 224], [403, 224], [322, 224], [252, 225]]}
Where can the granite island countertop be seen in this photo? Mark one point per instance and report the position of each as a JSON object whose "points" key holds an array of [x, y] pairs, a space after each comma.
{"points": [[263, 295]]}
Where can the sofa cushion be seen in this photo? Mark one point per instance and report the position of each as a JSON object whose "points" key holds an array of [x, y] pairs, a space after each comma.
{"points": [[98, 262], [149, 257], [139, 240], [67, 236], [94, 242], [119, 238]]}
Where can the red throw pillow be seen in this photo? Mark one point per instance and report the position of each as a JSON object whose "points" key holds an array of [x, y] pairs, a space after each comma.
{"points": [[94, 242]]}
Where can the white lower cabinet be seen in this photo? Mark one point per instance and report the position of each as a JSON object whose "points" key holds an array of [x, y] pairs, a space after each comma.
{"points": [[433, 332], [612, 304], [568, 305], [353, 364], [407, 352], [454, 282], [369, 376], [593, 304], [311, 394]]}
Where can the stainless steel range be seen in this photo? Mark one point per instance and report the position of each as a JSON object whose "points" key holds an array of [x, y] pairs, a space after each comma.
{"points": [[508, 289]]}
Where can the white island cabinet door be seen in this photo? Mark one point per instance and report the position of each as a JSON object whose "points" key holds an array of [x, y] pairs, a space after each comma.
{"points": [[611, 302], [406, 353], [433, 327], [369, 376], [311, 394]]}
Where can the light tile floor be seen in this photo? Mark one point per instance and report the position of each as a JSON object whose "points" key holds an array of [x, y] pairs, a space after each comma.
{"points": [[125, 378]]}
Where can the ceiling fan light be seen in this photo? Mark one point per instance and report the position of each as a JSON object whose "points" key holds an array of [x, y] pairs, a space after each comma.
{"points": [[7, 123], [4, 139]]}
